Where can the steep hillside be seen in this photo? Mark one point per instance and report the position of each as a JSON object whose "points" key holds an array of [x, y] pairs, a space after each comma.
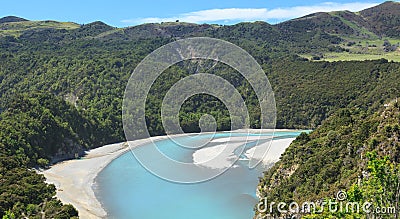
{"points": [[323, 22], [361, 27], [35, 130], [335, 156], [384, 19]]}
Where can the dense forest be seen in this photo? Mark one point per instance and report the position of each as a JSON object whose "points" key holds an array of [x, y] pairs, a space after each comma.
{"points": [[354, 151], [62, 86], [36, 128]]}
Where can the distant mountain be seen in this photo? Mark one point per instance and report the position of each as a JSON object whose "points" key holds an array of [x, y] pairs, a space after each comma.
{"points": [[168, 29], [384, 19], [381, 20], [339, 35], [9, 19], [16, 27], [322, 21], [93, 29]]}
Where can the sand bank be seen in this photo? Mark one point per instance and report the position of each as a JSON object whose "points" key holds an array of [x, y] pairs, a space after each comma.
{"points": [[74, 178]]}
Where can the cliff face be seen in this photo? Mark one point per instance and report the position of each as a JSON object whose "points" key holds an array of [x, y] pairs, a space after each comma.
{"points": [[69, 149]]}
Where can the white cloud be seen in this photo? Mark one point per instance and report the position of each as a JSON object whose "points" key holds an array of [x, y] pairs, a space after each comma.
{"points": [[228, 15]]}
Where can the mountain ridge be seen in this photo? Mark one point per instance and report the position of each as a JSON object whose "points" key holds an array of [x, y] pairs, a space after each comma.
{"points": [[391, 8], [8, 19], [338, 35]]}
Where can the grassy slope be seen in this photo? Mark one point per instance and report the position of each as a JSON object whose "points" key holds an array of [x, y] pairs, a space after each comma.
{"points": [[15, 29], [368, 31]]}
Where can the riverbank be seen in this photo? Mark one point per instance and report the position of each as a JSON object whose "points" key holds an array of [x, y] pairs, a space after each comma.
{"points": [[74, 178]]}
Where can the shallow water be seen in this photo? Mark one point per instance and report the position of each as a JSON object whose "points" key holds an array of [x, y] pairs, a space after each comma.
{"points": [[127, 190]]}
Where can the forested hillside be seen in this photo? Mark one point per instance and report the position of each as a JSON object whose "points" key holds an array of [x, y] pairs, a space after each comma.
{"points": [[62, 84], [36, 129], [353, 151]]}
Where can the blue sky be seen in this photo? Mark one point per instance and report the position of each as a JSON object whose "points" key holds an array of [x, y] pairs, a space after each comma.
{"points": [[128, 13]]}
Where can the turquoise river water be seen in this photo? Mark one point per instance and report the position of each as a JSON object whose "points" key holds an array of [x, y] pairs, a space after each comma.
{"points": [[128, 190]]}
